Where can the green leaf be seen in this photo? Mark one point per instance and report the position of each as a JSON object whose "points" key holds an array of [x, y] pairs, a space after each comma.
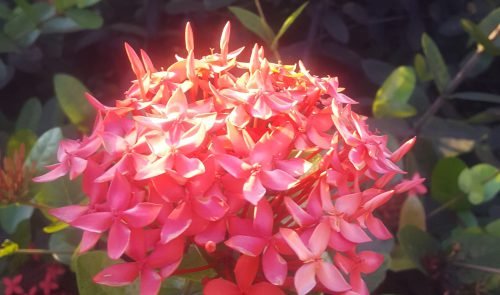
{"points": [[477, 96], [473, 182], [12, 215], [421, 68], [60, 192], [85, 18], [62, 5], [86, 3], [392, 98], [376, 71], [7, 44], [336, 27], [468, 219], [60, 25], [417, 244], [436, 63], [70, 93], [29, 117], [5, 11], [287, 23], [20, 137], [400, 260], [43, 11], [8, 248], [490, 22], [444, 184], [475, 32], [412, 213], [19, 26], [44, 151], [254, 23], [52, 116], [65, 241], [493, 228], [193, 259], [87, 265]]}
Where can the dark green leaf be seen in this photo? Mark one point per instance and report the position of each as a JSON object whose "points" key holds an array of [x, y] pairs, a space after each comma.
{"points": [[5, 11], [19, 26], [392, 98], [60, 192], [356, 11], [43, 11], [183, 6], [85, 18], [7, 44], [64, 243], [193, 259], [29, 117], [12, 215], [87, 265], [70, 93], [377, 71], [444, 184], [336, 27], [254, 23], [287, 23], [417, 244], [52, 116], [44, 151], [436, 63], [477, 96]]}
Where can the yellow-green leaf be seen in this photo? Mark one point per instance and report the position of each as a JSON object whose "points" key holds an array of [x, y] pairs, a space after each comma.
{"points": [[421, 68], [392, 98], [436, 63], [288, 22], [475, 32], [8, 248], [412, 213], [55, 227]]}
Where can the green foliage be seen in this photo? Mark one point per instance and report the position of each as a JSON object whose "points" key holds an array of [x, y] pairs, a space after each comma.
{"points": [[412, 213], [87, 265], [12, 215], [44, 151], [254, 23], [392, 98], [70, 93], [444, 184], [29, 117], [8, 248], [85, 18], [287, 23], [481, 183], [435, 62], [417, 244]]}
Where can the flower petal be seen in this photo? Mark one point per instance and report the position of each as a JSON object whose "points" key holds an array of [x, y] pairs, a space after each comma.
{"points": [[245, 271], [263, 218], [68, 213], [118, 239], [277, 179], [331, 277], [319, 239], [301, 217], [253, 191], [150, 282], [141, 214], [296, 167], [295, 242], [247, 245], [95, 222], [353, 232], [274, 266], [177, 223], [118, 275], [188, 167], [221, 286], [305, 279]]}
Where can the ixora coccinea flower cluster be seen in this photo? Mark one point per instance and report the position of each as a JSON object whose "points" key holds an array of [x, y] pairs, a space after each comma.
{"points": [[262, 164]]}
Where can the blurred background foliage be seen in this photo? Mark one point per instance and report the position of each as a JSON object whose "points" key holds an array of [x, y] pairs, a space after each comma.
{"points": [[418, 67]]}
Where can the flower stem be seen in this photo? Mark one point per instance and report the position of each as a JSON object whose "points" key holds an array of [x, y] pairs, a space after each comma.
{"points": [[42, 251], [478, 267]]}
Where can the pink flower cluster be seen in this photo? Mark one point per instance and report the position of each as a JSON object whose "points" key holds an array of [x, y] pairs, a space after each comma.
{"points": [[262, 164]]}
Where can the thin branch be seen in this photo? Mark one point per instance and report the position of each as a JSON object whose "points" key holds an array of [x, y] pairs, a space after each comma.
{"points": [[478, 267], [455, 82], [41, 251]]}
